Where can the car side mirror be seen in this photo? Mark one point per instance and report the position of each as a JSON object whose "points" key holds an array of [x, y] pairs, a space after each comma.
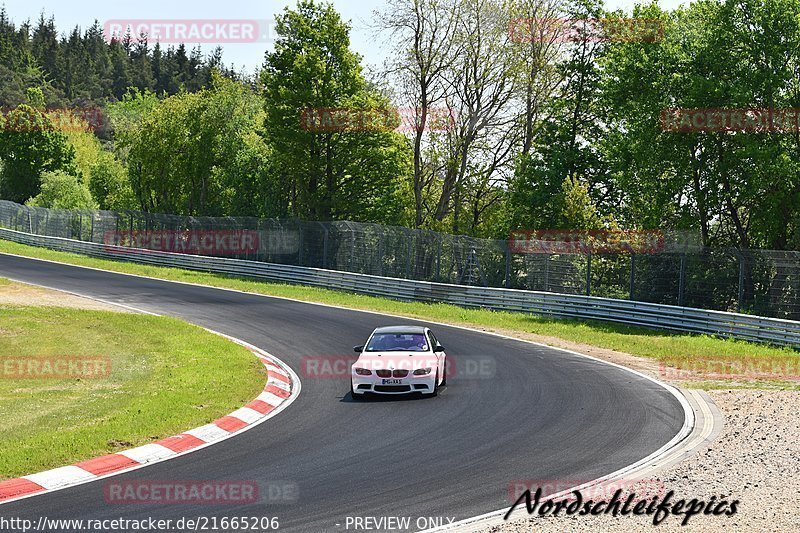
{"points": [[358, 349], [439, 348]]}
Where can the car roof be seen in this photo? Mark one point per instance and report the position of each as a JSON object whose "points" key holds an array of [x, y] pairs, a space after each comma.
{"points": [[401, 329]]}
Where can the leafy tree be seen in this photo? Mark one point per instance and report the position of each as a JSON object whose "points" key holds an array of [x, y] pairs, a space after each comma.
{"points": [[737, 188], [328, 174], [83, 68], [61, 190], [179, 150], [430, 26], [98, 168], [109, 184], [29, 147], [565, 157]]}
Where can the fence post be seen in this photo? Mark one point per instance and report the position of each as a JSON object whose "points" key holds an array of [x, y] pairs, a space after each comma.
{"points": [[410, 238], [439, 259], [325, 247], [633, 275], [269, 232], [381, 250], [589, 274], [682, 282], [300, 243], [352, 246], [508, 266], [740, 300], [546, 287]]}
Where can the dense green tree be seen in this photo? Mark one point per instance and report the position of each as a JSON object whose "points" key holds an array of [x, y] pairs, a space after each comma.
{"points": [[61, 190], [740, 188], [179, 150], [84, 68], [30, 146], [348, 172], [109, 184], [97, 168], [564, 157]]}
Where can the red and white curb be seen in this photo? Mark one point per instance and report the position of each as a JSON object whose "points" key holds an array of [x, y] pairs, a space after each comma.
{"points": [[283, 387]]}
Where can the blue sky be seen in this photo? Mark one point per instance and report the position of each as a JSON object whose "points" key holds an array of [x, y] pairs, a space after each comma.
{"points": [[248, 55]]}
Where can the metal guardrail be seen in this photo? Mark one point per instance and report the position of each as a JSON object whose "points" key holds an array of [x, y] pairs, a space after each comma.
{"points": [[731, 325]]}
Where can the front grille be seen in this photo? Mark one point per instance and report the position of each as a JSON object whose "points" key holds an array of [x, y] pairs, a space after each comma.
{"points": [[384, 373], [392, 388], [400, 373]]}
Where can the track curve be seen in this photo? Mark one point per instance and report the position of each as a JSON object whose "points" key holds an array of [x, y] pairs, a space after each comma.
{"points": [[545, 415]]}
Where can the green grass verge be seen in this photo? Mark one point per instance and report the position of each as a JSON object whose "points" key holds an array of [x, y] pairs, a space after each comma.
{"points": [[166, 376], [672, 349]]}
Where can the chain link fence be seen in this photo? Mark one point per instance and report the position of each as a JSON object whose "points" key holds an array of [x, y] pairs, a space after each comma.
{"points": [[760, 282]]}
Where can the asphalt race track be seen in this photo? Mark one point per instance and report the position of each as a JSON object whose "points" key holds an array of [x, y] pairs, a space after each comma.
{"points": [[543, 415]]}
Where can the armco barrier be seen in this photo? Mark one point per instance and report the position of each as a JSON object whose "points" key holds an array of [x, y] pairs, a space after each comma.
{"points": [[745, 327]]}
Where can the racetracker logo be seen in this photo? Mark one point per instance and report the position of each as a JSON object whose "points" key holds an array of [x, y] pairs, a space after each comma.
{"points": [[66, 119], [54, 367], [587, 242], [745, 120], [149, 492], [470, 367], [745, 368], [327, 366], [353, 120], [174, 31], [456, 366], [215, 243], [565, 30]]}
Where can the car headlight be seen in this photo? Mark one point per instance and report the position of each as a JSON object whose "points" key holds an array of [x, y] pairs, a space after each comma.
{"points": [[422, 371], [363, 372]]}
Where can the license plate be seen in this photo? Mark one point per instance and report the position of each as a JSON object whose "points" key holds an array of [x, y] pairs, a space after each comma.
{"points": [[391, 382]]}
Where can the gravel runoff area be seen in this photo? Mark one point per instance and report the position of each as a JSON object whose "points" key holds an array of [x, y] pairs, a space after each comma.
{"points": [[755, 459], [20, 294]]}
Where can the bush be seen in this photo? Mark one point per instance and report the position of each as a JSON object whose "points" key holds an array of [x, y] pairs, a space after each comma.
{"points": [[61, 190]]}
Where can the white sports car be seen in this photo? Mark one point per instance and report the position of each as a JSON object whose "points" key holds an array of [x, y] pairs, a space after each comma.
{"points": [[399, 360]]}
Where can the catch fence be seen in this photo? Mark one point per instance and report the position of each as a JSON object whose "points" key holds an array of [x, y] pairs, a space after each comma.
{"points": [[758, 282]]}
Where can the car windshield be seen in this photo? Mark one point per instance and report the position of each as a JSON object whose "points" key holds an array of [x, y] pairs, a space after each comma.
{"points": [[398, 342]]}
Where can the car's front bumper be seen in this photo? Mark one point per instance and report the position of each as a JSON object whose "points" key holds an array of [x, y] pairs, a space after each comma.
{"points": [[377, 385]]}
